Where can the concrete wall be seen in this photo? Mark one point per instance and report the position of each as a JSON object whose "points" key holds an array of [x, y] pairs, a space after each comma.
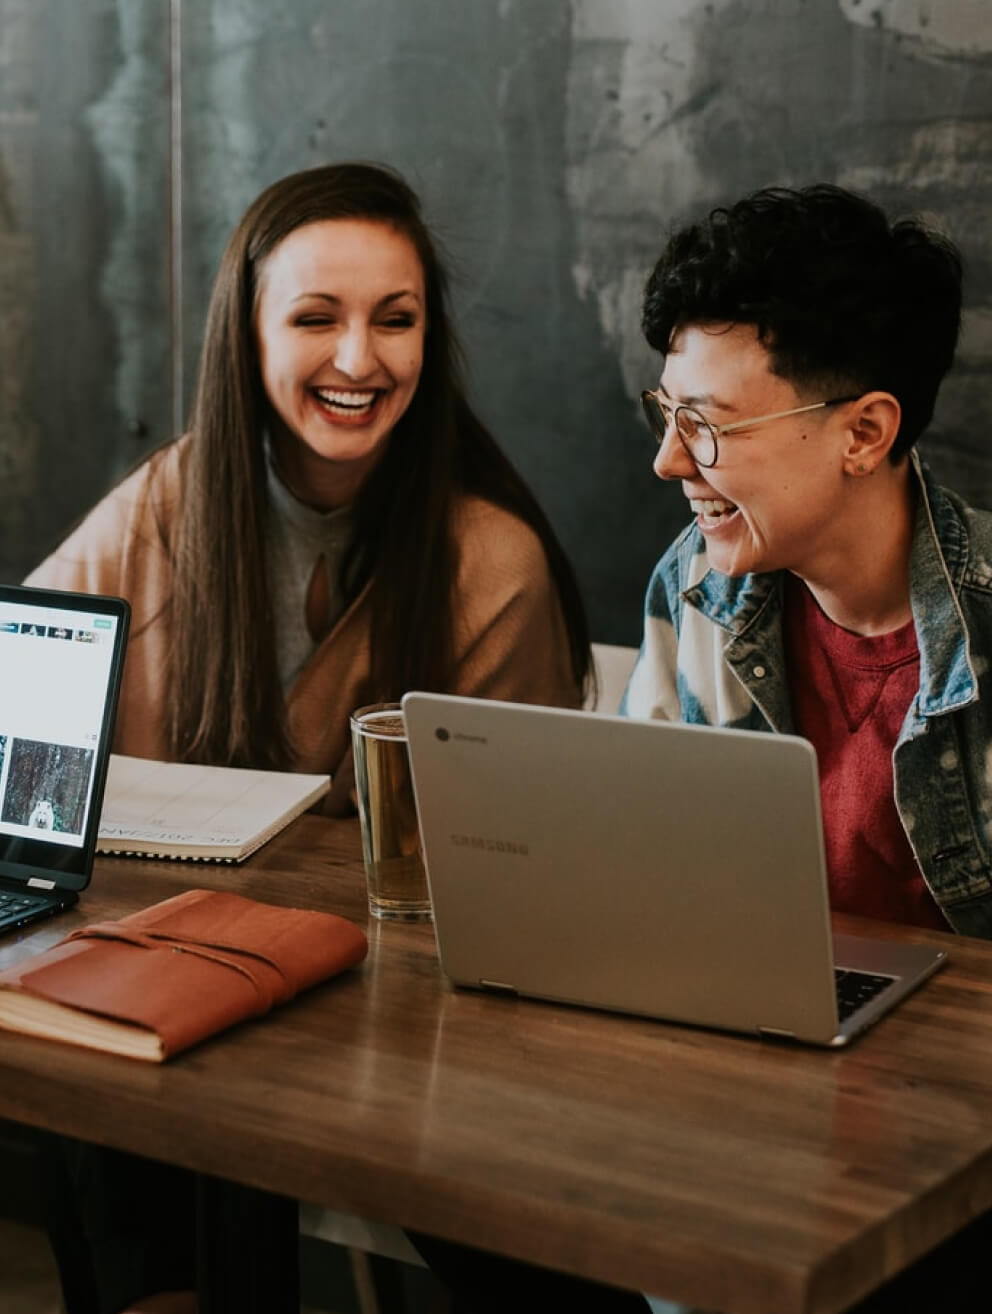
{"points": [[554, 142]]}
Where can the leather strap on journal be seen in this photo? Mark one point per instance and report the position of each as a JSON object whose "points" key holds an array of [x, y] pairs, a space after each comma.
{"points": [[222, 955]]}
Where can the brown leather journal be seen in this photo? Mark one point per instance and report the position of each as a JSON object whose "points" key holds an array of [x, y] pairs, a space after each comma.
{"points": [[165, 978]]}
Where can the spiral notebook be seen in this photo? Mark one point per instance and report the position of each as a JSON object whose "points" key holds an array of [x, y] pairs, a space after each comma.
{"points": [[208, 814]]}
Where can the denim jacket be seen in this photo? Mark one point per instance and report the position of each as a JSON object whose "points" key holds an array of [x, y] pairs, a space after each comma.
{"points": [[713, 655]]}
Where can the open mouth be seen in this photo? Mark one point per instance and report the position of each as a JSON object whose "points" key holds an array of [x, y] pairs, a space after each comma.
{"points": [[351, 405], [712, 511]]}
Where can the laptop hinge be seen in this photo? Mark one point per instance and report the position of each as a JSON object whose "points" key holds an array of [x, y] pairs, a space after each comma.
{"points": [[775, 1033], [36, 883], [500, 986]]}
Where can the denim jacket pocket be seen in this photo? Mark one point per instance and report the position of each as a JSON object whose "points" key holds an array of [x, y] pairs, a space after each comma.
{"points": [[973, 915]]}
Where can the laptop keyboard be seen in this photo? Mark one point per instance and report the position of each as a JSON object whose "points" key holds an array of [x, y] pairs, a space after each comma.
{"points": [[857, 988], [17, 908]]}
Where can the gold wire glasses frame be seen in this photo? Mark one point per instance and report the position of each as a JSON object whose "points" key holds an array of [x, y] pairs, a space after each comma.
{"points": [[698, 435]]}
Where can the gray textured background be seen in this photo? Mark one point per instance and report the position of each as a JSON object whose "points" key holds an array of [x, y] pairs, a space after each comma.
{"points": [[554, 143]]}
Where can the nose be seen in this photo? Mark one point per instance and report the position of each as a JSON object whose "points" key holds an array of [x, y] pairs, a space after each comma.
{"points": [[673, 460], [354, 354]]}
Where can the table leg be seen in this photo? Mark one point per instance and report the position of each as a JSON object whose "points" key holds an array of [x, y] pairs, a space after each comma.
{"points": [[247, 1250]]}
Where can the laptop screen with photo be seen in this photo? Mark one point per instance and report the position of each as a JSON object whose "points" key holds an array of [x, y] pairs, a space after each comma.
{"points": [[61, 656]]}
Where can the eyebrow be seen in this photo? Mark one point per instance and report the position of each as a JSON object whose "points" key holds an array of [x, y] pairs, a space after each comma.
{"points": [[700, 399], [336, 301]]}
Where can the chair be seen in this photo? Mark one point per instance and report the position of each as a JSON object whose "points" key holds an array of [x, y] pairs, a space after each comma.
{"points": [[613, 664]]}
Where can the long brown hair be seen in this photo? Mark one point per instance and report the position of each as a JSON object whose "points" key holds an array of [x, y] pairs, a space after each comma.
{"points": [[224, 695]]}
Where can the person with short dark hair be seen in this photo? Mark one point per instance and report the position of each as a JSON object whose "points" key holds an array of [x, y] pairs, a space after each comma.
{"points": [[826, 586]]}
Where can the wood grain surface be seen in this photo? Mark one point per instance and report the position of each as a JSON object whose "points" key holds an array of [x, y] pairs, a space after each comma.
{"points": [[725, 1172]]}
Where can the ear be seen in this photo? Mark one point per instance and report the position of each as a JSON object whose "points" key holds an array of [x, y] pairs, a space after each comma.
{"points": [[872, 423]]}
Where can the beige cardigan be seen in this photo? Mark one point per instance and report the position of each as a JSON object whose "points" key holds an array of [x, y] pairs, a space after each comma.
{"points": [[510, 637]]}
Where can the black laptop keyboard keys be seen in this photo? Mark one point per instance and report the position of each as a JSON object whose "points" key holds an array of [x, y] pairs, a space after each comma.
{"points": [[15, 906], [857, 988]]}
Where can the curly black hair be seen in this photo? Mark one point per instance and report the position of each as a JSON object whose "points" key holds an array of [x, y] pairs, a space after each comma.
{"points": [[843, 300]]}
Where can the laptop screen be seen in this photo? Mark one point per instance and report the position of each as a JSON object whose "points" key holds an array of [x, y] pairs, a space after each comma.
{"points": [[60, 665]]}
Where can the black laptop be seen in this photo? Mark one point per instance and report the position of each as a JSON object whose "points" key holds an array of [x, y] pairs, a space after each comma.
{"points": [[61, 656]]}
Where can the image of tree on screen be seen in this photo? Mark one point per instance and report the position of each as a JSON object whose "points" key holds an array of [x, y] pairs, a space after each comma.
{"points": [[47, 786]]}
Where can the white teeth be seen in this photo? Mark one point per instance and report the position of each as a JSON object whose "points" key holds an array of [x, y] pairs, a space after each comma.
{"points": [[710, 506], [338, 397]]}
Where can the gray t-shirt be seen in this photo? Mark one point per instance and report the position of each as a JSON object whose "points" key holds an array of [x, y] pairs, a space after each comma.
{"points": [[299, 536]]}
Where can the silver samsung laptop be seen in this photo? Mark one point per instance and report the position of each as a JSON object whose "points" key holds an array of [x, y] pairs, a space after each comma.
{"points": [[668, 870]]}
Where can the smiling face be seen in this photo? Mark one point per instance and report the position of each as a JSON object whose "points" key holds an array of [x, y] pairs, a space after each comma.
{"points": [[777, 497], [340, 321]]}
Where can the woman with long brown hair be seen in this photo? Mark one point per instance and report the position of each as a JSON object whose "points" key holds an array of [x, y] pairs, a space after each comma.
{"points": [[338, 526]]}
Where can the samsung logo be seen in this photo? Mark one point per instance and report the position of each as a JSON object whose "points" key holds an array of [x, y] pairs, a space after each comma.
{"points": [[444, 735], [489, 845]]}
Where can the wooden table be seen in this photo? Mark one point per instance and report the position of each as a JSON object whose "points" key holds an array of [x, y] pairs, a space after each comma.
{"points": [[721, 1171]]}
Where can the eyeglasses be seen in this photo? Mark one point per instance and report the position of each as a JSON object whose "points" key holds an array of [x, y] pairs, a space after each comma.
{"points": [[699, 437]]}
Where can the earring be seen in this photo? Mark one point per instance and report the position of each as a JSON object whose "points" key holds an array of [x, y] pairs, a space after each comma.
{"points": [[862, 468]]}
